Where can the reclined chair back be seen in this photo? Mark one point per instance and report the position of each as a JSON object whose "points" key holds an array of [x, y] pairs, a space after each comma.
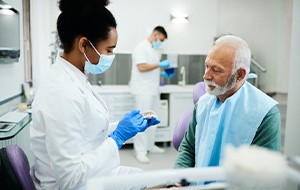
{"points": [[15, 169], [186, 117]]}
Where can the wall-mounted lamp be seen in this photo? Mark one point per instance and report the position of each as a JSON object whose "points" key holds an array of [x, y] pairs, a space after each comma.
{"points": [[4, 6], [179, 18], [6, 9], [7, 12]]}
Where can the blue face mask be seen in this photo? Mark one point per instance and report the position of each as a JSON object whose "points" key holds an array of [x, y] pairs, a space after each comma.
{"points": [[104, 63], [156, 44]]}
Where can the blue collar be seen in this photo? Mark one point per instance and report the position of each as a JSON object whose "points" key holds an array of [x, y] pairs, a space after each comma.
{"points": [[234, 121]]}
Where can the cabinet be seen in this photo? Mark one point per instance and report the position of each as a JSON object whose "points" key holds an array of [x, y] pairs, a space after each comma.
{"points": [[179, 103], [177, 99], [118, 104], [121, 103]]}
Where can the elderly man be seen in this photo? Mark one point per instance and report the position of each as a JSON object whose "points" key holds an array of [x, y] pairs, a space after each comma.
{"points": [[231, 112]]}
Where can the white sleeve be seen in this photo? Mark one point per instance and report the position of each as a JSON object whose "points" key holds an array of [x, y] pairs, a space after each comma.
{"points": [[139, 55], [63, 120]]}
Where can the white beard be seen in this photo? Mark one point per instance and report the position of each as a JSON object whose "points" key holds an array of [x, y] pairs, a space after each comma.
{"points": [[219, 90]]}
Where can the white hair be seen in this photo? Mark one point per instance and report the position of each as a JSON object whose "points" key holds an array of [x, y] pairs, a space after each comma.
{"points": [[242, 56]]}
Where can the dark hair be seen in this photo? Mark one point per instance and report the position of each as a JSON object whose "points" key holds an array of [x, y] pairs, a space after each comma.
{"points": [[88, 18], [161, 30]]}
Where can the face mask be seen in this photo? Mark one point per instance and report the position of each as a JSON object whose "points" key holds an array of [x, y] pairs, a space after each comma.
{"points": [[104, 63], [156, 44]]}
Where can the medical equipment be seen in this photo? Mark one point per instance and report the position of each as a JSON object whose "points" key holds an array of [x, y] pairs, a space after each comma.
{"points": [[168, 72], [6, 126], [149, 114], [182, 72], [153, 178], [240, 171], [13, 117], [151, 118]]}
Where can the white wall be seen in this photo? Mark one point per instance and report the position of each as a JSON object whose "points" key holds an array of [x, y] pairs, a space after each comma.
{"points": [[292, 139], [292, 131], [265, 25], [41, 38], [136, 20], [12, 74], [284, 45]]}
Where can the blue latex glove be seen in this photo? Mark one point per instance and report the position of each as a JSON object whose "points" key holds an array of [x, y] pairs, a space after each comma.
{"points": [[152, 121], [166, 75], [132, 123], [164, 63]]}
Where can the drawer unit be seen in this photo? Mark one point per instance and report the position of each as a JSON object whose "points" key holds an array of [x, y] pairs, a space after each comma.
{"points": [[116, 115], [120, 101], [118, 104], [179, 103], [123, 98], [162, 134]]}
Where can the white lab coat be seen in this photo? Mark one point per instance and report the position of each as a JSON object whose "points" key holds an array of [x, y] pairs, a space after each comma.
{"points": [[145, 87], [69, 133], [145, 83]]}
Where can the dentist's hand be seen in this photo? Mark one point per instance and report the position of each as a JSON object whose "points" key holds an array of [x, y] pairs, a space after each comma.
{"points": [[152, 121], [164, 63], [132, 123]]}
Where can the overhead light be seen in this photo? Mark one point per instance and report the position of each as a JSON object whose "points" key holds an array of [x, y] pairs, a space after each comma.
{"points": [[4, 6], [7, 12], [179, 18]]}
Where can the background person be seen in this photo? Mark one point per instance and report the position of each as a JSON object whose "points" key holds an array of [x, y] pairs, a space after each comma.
{"points": [[144, 84], [231, 112], [69, 137]]}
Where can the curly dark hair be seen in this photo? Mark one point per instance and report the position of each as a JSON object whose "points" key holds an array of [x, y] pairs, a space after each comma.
{"points": [[88, 18]]}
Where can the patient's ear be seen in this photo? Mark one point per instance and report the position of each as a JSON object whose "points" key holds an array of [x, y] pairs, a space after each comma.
{"points": [[241, 74]]}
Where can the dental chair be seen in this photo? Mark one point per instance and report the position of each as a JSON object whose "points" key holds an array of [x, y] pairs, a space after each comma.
{"points": [[15, 169], [186, 117]]}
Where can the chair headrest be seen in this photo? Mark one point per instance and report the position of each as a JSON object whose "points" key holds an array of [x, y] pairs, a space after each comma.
{"points": [[199, 90], [181, 127]]}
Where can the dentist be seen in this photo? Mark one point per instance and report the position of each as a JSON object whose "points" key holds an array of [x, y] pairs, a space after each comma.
{"points": [[144, 86], [69, 138]]}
